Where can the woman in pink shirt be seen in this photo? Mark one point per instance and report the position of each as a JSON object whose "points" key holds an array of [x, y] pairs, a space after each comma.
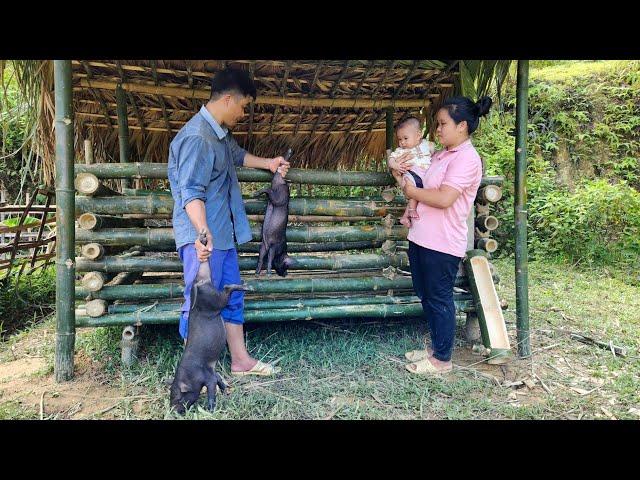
{"points": [[438, 238]]}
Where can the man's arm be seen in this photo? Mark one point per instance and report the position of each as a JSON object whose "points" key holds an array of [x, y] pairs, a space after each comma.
{"points": [[197, 214], [194, 171], [270, 164]]}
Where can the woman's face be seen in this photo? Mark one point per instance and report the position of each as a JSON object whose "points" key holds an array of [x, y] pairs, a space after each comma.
{"points": [[449, 134]]}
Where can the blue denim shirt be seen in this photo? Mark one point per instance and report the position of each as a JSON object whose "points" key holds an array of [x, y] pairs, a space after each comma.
{"points": [[202, 161]]}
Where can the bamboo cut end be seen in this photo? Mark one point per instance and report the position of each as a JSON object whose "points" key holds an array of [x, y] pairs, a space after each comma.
{"points": [[491, 193], [87, 183], [488, 244], [96, 308], [93, 281], [87, 221], [92, 251]]}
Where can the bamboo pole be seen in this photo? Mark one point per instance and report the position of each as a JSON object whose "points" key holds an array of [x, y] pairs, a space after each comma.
{"points": [[274, 315], [95, 251], [153, 237], [270, 304], [91, 221], [488, 244], [299, 102], [486, 223], [316, 313], [314, 218], [272, 285], [163, 205], [489, 193], [254, 247], [134, 192], [300, 262], [65, 206], [295, 175], [89, 184], [384, 197], [123, 130], [94, 281], [96, 308], [520, 211], [389, 128], [92, 251], [88, 152], [488, 309]]}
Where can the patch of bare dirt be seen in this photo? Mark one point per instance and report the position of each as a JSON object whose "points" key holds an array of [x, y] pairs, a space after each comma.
{"points": [[87, 396]]}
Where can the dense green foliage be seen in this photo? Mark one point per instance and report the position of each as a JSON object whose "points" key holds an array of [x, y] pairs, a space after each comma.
{"points": [[26, 298], [15, 172], [583, 177]]}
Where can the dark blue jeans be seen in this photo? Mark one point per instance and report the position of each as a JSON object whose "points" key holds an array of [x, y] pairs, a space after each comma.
{"points": [[434, 275]]}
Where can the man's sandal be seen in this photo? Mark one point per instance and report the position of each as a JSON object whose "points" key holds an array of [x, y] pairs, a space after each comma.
{"points": [[260, 369], [425, 367]]}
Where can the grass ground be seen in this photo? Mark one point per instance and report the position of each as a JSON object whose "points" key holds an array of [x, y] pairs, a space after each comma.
{"points": [[355, 370]]}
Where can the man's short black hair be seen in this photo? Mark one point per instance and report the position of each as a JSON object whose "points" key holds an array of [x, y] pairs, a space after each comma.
{"points": [[232, 80]]}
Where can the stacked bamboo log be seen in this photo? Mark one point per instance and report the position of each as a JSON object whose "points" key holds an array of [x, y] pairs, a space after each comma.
{"points": [[363, 275], [489, 194]]}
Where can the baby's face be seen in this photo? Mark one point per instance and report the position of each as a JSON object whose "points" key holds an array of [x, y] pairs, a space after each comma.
{"points": [[408, 136]]}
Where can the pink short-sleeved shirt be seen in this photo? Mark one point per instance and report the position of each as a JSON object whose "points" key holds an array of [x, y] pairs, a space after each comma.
{"points": [[445, 229]]}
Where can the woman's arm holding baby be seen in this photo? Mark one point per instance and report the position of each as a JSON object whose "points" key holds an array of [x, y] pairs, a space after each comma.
{"points": [[400, 164], [442, 197]]}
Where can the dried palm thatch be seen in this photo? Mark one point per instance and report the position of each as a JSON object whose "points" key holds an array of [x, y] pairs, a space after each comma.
{"points": [[331, 113]]}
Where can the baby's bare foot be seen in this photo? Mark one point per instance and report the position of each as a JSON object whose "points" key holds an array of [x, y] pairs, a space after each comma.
{"points": [[406, 221]]}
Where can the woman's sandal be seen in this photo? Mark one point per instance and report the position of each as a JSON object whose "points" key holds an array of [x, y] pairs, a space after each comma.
{"points": [[425, 367], [416, 355]]}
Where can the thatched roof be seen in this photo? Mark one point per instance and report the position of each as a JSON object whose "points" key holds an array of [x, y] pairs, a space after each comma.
{"points": [[331, 112]]}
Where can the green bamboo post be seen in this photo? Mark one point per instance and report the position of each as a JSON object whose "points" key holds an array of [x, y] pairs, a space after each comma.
{"points": [[65, 193], [91, 221], [520, 211], [295, 175], [299, 262], [253, 304], [153, 237], [163, 205], [254, 247], [123, 130], [274, 315], [462, 302], [389, 128], [291, 286]]}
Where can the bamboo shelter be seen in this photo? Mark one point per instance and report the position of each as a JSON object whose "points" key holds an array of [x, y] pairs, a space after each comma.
{"points": [[114, 120]]}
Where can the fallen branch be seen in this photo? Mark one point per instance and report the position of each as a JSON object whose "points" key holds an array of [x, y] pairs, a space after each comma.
{"points": [[617, 351], [42, 405], [546, 389]]}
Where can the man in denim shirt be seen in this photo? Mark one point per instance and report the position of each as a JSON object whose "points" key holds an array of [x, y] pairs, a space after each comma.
{"points": [[206, 193]]}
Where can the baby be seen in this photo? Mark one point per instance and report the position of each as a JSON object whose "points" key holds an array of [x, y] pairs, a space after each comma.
{"points": [[410, 139]]}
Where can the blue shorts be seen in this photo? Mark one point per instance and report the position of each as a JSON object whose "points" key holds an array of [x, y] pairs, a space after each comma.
{"points": [[224, 271]]}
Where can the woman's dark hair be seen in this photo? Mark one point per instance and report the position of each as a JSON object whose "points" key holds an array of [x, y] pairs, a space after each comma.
{"points": [[232, 80], [463, 108]]}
